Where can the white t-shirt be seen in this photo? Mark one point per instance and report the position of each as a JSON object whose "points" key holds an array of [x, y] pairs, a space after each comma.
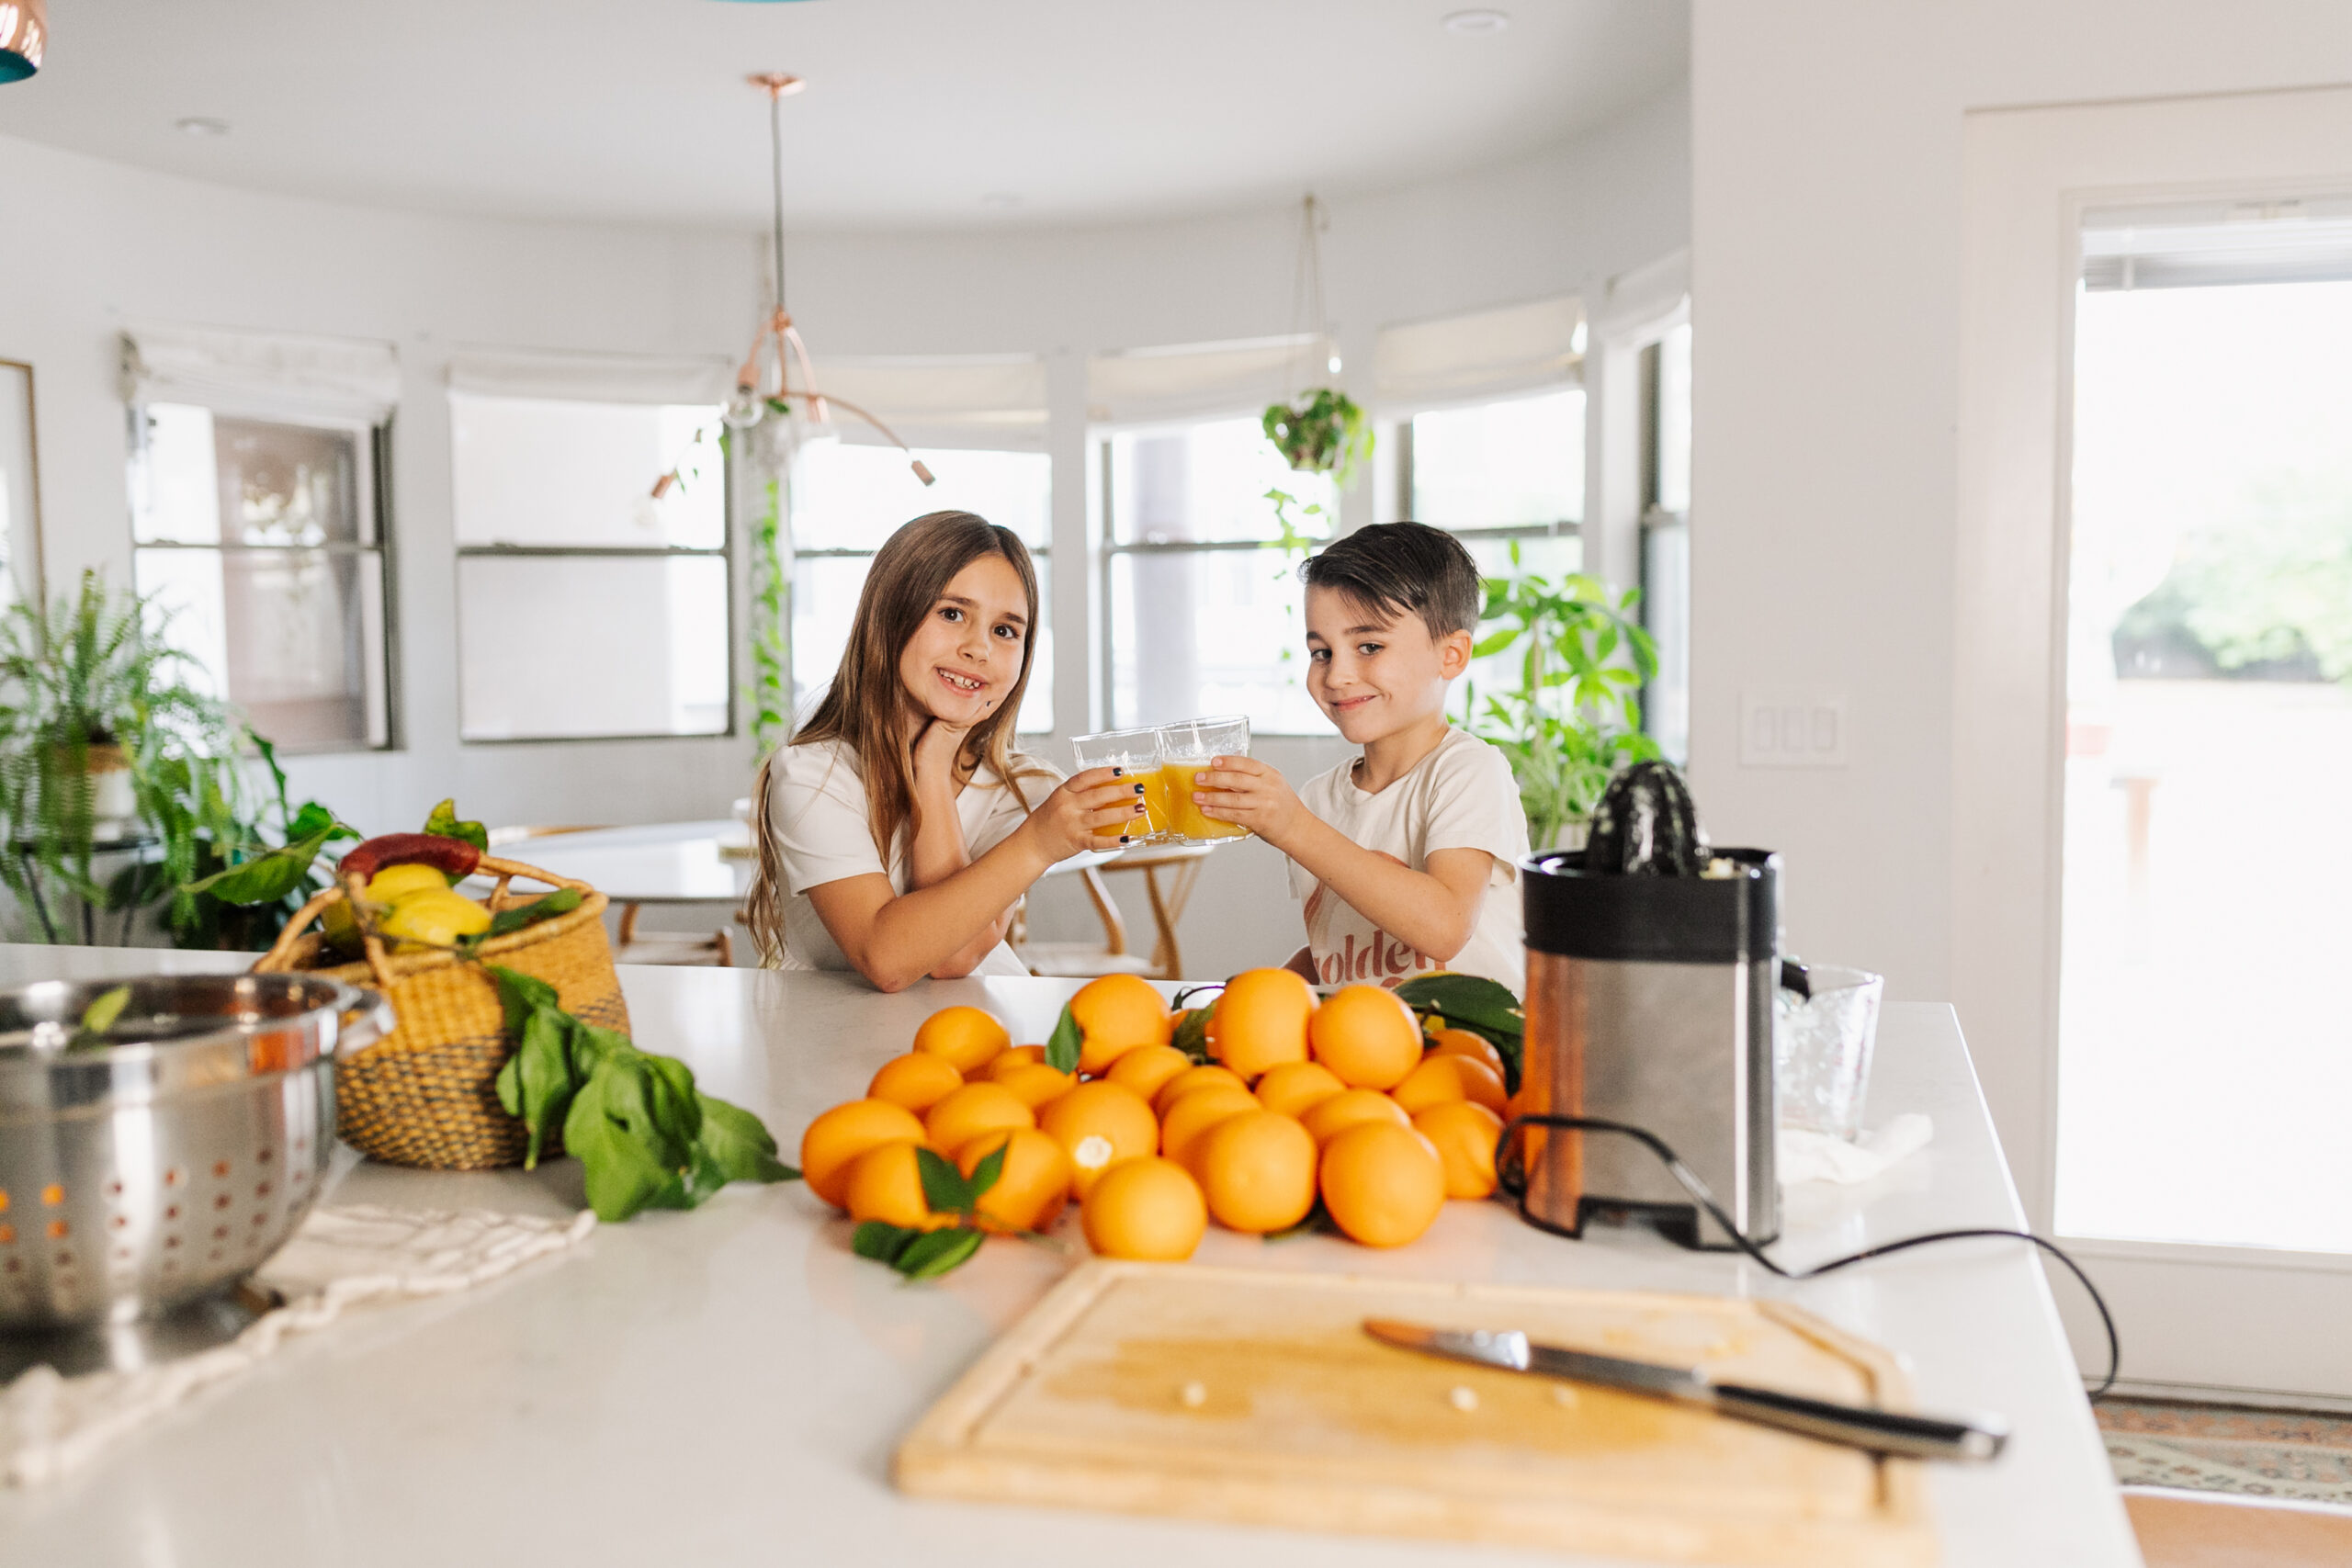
{"points": [[816, 807], [1460, 797]]}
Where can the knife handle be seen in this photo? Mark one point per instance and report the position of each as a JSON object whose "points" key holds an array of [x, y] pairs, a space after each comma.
{"points": [[1881, 1431]]}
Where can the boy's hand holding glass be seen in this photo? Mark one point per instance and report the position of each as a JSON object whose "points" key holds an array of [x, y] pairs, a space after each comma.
{"points": [[1089, 811], [1248, 794]]}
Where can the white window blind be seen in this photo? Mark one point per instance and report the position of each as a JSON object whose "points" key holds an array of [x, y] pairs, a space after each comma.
{"points": [[2193, 245], [1145, 386], [993, 402], [567, 377], [261, 373], [1486, 353]]}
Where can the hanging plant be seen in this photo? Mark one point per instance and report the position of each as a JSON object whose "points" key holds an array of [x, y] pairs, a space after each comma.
{"points": [[1321, 432]]}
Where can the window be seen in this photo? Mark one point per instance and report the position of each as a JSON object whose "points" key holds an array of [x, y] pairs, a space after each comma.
{"points": [[1203, 600], [847, 499], [1498, 475], [261, 539], [587, 607], [1666, 536]]}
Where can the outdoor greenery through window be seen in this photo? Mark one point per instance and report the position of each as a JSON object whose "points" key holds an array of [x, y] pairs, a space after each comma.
{"points": [[846, 499], [1203, 595], [586, 606], [262, 540]]}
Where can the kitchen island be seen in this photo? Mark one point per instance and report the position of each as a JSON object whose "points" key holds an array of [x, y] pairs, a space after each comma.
{"points": [[727, 1385]]}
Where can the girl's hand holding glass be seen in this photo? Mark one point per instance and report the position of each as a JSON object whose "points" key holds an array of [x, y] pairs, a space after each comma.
{"points": [[1089, 811]]}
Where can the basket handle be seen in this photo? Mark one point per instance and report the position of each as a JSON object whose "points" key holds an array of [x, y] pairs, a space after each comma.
{"points": [[400, 849]]}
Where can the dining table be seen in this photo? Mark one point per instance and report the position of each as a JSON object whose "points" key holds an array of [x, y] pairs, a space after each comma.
{"points": [[728, 1384]]}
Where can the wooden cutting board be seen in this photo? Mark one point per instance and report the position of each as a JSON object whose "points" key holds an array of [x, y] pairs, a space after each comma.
{"points": [[1246, 1395]]}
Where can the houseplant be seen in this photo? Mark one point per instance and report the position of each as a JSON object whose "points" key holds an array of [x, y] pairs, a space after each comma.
{"points": [[1574, 717], [89, 688], [1319, 432]]}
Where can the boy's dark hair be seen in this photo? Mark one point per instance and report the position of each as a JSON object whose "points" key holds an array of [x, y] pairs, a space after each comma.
{"points": [[1393, 568]]}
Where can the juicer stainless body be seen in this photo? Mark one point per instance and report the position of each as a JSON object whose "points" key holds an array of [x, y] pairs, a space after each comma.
{"points": [[1649, 1002]]}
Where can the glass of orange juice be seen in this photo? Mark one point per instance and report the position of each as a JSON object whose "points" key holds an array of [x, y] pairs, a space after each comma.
{"points": [[1185, 751], [1137, 752]]}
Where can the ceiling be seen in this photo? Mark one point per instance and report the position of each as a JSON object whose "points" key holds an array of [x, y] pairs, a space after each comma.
{"points": [[919, 113]]}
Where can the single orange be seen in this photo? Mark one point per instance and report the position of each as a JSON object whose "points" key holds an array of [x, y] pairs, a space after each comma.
{"points": [[1367, 1035], [917, 1080], [1114, 1015], [1013, 1056], [1037, 1084], [975, 1109], [1147, 1069], [1351, 1108], [1382, 1184], [1196, 1113], [1191, 1078], [1098, 1124], [1461, 1043], [884, 1183], [1257, 1171], [1441, 1078], [1261, 1020], [1031, 1186], [1149, 1209], [1295, 1087], [967, 1036], [1464, 1133], [845, 1132]]}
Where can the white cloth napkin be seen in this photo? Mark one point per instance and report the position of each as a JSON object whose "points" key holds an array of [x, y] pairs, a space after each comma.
{"points": [[1821, 1156], [338, 1259]]}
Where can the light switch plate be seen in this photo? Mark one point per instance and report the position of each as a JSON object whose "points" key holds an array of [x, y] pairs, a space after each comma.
{"points": [[1793, 729]]}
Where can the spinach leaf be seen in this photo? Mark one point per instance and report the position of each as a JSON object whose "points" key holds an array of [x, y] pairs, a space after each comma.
{"points": [[520, 995], [623, 1173], [544, 1075], [740, 1144]]}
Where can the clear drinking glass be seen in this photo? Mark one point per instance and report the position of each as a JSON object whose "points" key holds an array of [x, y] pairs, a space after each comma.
{"points": [[1184, 750], [1821, 1049], [1137, 751]]}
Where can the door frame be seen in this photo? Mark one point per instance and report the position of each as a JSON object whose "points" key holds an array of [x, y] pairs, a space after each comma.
{"points": [[2230, 1319]]}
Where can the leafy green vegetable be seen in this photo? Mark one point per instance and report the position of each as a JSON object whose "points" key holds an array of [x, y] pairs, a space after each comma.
{"points": [[442, 820], [1485, 1007], [645, 1136], [507, 922], [1063, 1045]]}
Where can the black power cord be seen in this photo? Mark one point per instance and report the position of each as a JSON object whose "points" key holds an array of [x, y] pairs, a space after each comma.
{"points": [[1512, 1177]]}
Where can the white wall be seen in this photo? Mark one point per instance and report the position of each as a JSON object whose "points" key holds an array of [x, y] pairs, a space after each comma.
{"points": [[1826, 262], [91, 245]]}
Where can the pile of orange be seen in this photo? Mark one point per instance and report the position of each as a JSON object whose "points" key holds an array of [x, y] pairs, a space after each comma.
{"points": [[1347, 1100]]}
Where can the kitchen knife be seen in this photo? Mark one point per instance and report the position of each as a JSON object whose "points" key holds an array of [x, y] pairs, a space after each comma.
{"points": [[1880, 1431]]}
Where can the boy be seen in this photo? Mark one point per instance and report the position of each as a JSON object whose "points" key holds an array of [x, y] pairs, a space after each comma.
{"points": [[1409, 855]]}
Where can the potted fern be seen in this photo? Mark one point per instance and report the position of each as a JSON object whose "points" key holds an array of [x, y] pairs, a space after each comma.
{"points": [[108, 741], [1574, 717]]}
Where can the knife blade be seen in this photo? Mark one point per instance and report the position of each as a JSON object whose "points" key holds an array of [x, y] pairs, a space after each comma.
{"points": [[1880, 1431]]}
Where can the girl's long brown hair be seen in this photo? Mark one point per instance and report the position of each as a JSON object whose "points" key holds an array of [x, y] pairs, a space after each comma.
{"points": [[865, 708]]}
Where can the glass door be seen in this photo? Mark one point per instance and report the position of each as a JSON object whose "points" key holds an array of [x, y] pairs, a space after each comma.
{"points": [[2205, 1039]]}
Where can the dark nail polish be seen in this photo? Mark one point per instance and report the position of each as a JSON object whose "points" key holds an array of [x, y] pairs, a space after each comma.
{"points": [[1124, 839], [1138, 808], [1138, 789], [1117, 771]]}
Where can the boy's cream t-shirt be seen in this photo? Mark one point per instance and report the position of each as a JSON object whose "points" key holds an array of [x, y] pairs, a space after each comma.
{"points": [[1460, 797], [815, 807]]}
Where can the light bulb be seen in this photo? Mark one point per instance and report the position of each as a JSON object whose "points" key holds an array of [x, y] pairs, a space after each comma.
{"points": [[743, 409], [1333, 365]]}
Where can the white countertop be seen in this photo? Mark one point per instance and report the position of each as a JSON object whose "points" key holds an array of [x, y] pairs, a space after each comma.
{"points": [[727, 1385]]}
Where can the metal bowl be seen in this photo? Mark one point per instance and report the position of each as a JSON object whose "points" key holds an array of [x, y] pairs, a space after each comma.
{"points": [[163, 1161]]}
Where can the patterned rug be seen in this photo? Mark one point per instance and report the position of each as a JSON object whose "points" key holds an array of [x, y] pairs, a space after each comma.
{"points": [[2218, 1447]]}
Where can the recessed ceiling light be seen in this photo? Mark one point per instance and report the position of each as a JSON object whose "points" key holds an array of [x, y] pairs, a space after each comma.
{"points": [[1484, 19], [1004, 200], [198, 125]]}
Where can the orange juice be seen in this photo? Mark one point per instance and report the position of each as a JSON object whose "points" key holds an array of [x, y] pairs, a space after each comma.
{"points": [[1154, 820], [1187, 819]]}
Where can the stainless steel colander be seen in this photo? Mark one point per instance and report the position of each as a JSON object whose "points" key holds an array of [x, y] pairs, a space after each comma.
{"points": [[165, 1160]]}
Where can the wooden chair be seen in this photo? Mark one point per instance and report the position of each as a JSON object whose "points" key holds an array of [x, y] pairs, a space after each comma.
{"points": [[670, 949], [2220, 1530], [1169, 872]]}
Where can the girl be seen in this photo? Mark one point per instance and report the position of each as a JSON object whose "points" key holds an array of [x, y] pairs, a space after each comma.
{"points": [[895, 835]]}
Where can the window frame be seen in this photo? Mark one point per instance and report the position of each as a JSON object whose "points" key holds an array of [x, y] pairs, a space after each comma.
{"points": [[372, 498], [1109, 548], [725, 552]]}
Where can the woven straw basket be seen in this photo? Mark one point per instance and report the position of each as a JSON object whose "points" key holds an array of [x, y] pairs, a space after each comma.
{"points": [[426, 1093]]}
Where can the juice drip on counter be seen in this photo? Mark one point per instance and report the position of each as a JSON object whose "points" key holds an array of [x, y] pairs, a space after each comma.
{"points": [[1188, 819]]}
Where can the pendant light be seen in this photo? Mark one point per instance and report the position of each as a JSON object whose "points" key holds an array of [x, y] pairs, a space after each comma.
{"points": [[24, 35], [755, 398]]}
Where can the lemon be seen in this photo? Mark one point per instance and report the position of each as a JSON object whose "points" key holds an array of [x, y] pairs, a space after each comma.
{"points": [[395, 883], [433, 919]]}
